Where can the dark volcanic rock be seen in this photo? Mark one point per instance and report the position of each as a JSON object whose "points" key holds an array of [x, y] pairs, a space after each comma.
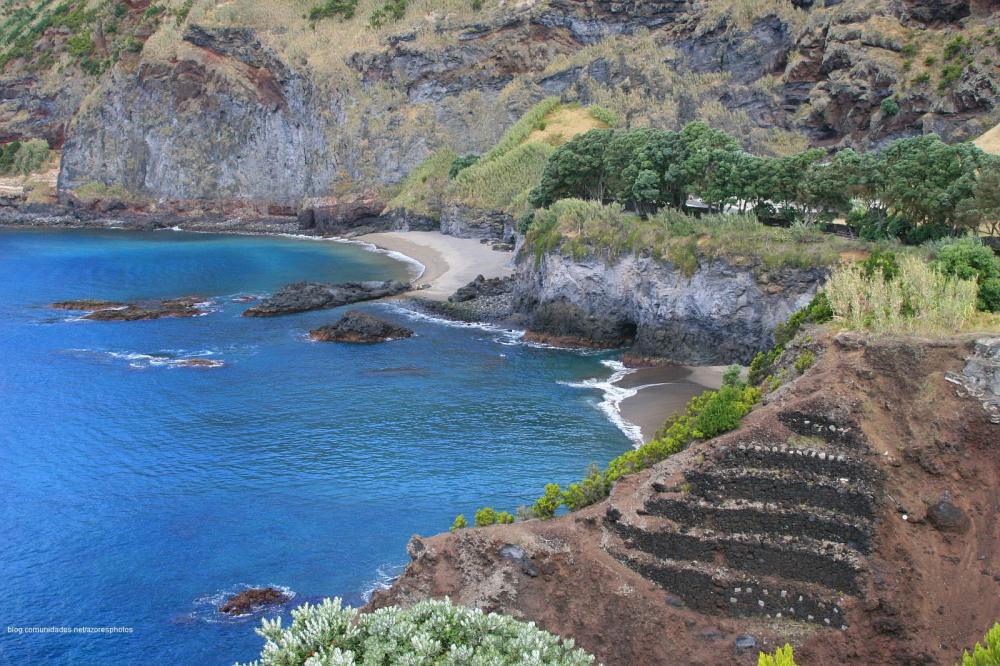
{"points": [[187, 306], [946, 516], [482, 287], [305, 296], [359, 327], [252, 599]]}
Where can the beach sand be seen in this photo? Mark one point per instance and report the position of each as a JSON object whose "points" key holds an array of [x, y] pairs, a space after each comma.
{"points": [[664, 391], [449, 262]]}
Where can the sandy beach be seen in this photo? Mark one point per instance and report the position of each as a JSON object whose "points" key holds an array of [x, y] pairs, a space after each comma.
{"points": [[664, 390], [449, 262]]}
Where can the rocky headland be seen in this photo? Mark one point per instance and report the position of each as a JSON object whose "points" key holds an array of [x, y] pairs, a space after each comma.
{"points": [[828, 520], [305, 296], [359, 327]]}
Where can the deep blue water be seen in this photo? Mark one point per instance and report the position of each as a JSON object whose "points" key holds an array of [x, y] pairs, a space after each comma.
{"points": [[133, 492]]}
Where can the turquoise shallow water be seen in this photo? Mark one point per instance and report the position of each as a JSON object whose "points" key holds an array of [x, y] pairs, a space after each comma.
{"points": [[135, 493]]}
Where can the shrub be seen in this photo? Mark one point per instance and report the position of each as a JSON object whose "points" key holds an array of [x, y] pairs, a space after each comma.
{"points": [[782, 657], [489, 516], [883, 262], [460, 523], [31, 156], [889, 107], [430, 632], [731, 377], [390, 12], [609, 118], [80, 45], [918, 300], [461, 162], [969, 259], [985, 655], [545, 506], [589, 490], [804, 361], [7, 155], [343, 9]]}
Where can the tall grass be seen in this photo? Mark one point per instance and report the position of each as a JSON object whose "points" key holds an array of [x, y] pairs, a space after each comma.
{"points": [[503, 182], [423, 188], [532, 120], [918, 300], [587, 228]]}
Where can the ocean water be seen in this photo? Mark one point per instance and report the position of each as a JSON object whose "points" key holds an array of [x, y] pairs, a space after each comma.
{"points": [[136, 493]]}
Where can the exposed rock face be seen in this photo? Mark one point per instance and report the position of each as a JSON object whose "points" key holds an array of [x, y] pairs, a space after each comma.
{"points": [[808, 515], [360, 327], [234, 118], [253, 599], [188, 306], [467, 222], [304, 296], [721, 314]]}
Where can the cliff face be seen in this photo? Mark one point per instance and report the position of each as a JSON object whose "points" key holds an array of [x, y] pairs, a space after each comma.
{"points": [[721, 313], [854, 515], [229, 106]]}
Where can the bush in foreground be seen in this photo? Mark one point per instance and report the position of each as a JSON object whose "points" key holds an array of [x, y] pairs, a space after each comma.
{"points": [[431, 632], [782, 657], [988, 655]]}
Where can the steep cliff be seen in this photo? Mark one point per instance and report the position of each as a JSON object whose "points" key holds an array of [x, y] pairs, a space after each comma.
{"points": [[854, 515], [721, 313], [256, 103]]}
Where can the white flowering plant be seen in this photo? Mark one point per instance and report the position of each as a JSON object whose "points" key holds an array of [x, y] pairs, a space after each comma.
{"points": [[433, 632]]}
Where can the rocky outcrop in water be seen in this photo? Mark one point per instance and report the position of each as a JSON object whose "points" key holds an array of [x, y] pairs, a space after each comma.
{"points": [[359, 327], [720, 314], [97, 310], [305, 296], [253, 599]]}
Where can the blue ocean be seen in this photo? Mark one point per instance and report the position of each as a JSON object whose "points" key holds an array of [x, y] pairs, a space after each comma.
{"points": [[138, 492]]}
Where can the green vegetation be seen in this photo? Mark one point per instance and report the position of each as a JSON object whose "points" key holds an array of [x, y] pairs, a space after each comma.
{"points": [[969, 259], [24, 158], [462, 162], [762, 367], [422, 190], [916, 189], [98, 31], [782, 657], [390, 12], [985, 655], [707, 415], [489, 516], [460, 523], [582, 229], [889, 107], [804, 361], [343, 9], [430, 632], [918, 299]]}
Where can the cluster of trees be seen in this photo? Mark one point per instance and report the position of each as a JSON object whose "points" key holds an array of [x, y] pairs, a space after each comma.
{"points": [[915, 189]]}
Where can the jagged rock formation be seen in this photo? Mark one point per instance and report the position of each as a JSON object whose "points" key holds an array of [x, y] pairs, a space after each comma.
{"points": [[359, 327], [305, 296], [722, 313], [853, 515]]}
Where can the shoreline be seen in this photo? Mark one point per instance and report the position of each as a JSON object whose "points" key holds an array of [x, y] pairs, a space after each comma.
{"points": [[636, 400]]}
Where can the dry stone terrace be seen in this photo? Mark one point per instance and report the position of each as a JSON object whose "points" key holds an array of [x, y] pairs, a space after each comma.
{"points": [[758, 528]]}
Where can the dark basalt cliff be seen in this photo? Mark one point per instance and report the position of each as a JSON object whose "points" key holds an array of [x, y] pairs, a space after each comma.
{"points": [[229, 113], [827, 520], [720, 314]]}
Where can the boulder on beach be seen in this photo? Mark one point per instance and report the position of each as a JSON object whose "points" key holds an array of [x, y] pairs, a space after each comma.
{"points": [[305, 296], [253, 599], [359, 327], [482, 287], [99, 310]]}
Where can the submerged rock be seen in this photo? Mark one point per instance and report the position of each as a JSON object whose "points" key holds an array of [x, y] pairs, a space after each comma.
{"points": [[359, 327], [187, 306], [253, 599], [305, 296]]}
